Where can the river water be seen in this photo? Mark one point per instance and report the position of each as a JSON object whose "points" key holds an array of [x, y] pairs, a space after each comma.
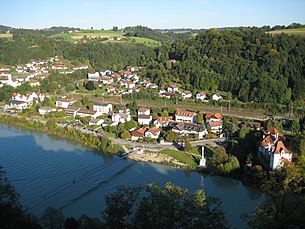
{"points": [[38, 165]]}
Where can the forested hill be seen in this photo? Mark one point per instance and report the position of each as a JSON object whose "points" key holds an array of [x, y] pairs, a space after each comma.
{"points": [[154, 34], [253, 65]]}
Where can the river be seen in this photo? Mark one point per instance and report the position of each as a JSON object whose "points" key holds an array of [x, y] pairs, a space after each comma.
{"points": [[38, 164]]}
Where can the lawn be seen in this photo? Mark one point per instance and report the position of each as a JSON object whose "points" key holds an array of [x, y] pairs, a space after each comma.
{"points": [[298, 32], [180, 156]]}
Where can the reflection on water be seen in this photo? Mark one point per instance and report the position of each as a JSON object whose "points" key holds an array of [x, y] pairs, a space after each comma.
{"points": [[38, 164]]}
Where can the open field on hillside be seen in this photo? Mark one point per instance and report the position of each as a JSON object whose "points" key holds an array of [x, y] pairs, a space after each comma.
{"points": [[89, 34], [73, 37], [298, 32], [6, 35]]}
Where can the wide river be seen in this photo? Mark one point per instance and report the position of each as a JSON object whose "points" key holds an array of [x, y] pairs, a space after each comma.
{"points": [[49, 171]]}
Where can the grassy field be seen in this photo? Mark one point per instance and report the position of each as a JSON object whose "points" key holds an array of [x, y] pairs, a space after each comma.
{"points": [[180, 156], [298, 32], [6, 35], [73, 37]]}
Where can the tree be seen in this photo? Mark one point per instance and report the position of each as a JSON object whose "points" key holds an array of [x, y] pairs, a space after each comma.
{"points": [[115, 28], [11, 213], [200, 118], [170, 136], [90, 85], [169, 207], [133, 106], [284, 209], [187, 146], [295, 126], [52, 219], [125, 135]]}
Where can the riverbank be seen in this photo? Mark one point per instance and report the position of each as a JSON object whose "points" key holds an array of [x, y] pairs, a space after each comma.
{"points": [[102, 145]]}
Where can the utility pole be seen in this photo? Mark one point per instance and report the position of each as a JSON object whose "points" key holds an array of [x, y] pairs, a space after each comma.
{"points": [[229, 105]]}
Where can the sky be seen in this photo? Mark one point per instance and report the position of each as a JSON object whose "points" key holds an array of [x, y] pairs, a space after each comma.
{"points": [[156, 14]]}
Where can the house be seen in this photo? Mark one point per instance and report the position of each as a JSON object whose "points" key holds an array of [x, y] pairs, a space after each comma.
{"points": [[213, 117], [201, 96], [216, 97], [185, 128], [106, 80], [116, 78], [186, 95], [87, 113], [185, 116], [95, 122], [45, 110], [163, 121], [93, 76], [153, 132], [130, 85], [71, 111], [172, 88], [110, 89], [64, 102], [215, 127], [124, 110], [167, 95], [34, 83], [4, 69], [18, 96], [58, 67], [9, 80], [109, 123], [102, 108], [144, 119], [17, 104], [143, 111], [153, 86], [138, 134], [121, 117], [104, 72], [272, 151]]}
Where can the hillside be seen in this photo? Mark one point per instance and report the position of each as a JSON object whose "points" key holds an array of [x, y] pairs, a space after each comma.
{"points": [[4, 29]]}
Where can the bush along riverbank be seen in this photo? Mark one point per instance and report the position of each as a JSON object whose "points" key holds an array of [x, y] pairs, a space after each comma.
{"points": [[101, 144]]}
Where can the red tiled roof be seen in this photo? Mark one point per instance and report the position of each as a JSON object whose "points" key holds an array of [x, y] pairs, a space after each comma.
{"points": [[154, 130], [279, 147], [215, 124], [272, 130], [185, 113], [139, 132], [267, 141]]}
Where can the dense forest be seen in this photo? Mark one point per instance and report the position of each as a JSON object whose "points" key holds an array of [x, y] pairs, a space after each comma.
{"points": [[248, 62], [251, 64]]}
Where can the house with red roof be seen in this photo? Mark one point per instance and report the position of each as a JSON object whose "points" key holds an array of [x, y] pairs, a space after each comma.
{"points": [[138, 134], [213, 117], [153, 132], [272, 151], [185, 116], [163, 121]]}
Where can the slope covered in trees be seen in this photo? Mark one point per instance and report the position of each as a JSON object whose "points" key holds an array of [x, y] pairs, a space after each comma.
{"points": [[251, 64]]}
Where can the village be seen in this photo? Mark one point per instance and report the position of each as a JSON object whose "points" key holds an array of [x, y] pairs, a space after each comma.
{"points": [[140, 125]]}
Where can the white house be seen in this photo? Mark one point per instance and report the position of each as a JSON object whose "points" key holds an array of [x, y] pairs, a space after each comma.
{"points": [[201, 96], [93, 76], [58, 67], [102, 108], [34, 83], [143, 111], [71, 111], [17, 104], [64, 102], [106, 80], [272, 151], [185, 116], [87, 113], [137, 134], [153, 132], [163, 121], [106, 72], [144, 119], [185, 128], [9, 81], [45, 110], [4, 69], [172, 88], [110, 89], [120, 117], [213, 117], [186, 95], [215, 127], [95, 122], [216, 97]]}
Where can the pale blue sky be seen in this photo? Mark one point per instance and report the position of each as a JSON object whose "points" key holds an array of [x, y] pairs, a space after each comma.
{"points": [[153, 13]]}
